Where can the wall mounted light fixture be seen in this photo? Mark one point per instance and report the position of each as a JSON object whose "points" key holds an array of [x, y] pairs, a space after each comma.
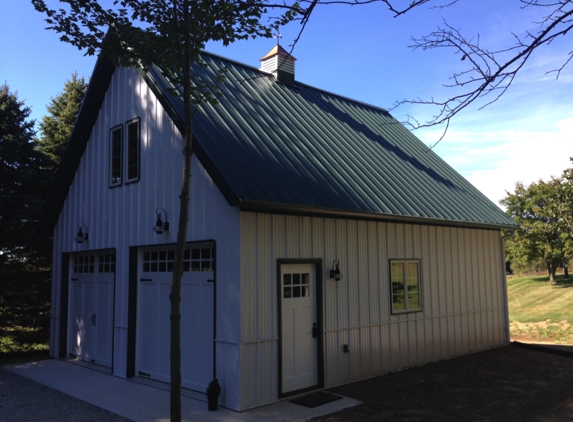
{"points": [[161, 226], [82, 237], [335, 271]]}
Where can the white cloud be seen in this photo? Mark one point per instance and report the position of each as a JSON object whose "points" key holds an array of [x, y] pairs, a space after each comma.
{"points": [[493, 161]]}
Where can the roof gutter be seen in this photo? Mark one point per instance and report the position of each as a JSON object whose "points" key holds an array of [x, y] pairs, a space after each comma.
{"points": [[306, 210]]}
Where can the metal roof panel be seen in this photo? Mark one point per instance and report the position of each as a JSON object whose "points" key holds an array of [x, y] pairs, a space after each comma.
{"points": [[302, 147]]}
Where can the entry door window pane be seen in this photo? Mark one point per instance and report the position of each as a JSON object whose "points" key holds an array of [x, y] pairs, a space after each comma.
{"points": [[296, 285]]}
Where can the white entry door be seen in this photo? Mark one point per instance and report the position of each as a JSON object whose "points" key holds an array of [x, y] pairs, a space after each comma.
{"points": [[154, 309], [298, 318], [90, 323]]}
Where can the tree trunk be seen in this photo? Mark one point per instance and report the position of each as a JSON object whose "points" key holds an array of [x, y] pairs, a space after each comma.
{"points": [[551, 268], [566, 271], [175, 355], [175, 402]]}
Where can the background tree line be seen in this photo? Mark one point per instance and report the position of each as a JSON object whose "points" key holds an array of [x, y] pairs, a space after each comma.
{"points": [[544, 210], [28, 162]]}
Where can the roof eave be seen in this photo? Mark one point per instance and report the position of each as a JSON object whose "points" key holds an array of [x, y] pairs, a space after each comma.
{"points": [[306, 210]]}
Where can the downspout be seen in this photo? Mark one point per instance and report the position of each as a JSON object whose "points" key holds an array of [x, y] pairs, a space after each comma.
{"points": [[214, 388], [215, 314], [505, 295]]}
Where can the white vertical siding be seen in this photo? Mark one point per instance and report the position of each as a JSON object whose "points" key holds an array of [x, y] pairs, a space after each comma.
{"points": [[462, 293], [123, 217]]}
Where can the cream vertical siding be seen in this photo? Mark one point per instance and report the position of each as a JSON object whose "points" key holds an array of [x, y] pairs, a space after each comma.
{"points": [[123, 217], [463, 306]]}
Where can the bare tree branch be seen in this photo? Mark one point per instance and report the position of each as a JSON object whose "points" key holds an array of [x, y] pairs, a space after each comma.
{"points": [[490, 73]]}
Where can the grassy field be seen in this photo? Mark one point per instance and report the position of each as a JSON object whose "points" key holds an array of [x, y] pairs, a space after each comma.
{"points": [[539, 311]]}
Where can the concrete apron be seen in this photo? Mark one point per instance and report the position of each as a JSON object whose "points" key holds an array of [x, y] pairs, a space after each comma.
{"points": [[142, 403]]}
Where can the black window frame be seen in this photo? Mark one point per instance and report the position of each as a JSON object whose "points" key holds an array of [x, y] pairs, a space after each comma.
{"points": [[406, 307], [131, 154]]}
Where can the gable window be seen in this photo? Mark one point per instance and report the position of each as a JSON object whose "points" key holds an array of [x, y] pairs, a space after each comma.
{"points": [[124, 153], [405, 286], [116, 155], [132, 151]]}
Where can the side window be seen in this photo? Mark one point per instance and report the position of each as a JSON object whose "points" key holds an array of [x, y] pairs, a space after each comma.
{"points": [[116, 155], [132, 151], [405, 286]]}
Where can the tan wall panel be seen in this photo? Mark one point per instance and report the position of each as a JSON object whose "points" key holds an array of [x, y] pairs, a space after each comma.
{"points": [[461, 273]]}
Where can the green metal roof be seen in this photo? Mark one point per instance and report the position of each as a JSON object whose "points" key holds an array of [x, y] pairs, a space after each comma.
{"points": [[292, 148], [297, 149]]}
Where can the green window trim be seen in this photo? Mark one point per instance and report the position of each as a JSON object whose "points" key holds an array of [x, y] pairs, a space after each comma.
{"points": [[405, 286]]}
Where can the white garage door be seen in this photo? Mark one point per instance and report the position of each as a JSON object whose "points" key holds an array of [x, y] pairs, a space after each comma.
{"points": [[153, 334], [90, 322]]}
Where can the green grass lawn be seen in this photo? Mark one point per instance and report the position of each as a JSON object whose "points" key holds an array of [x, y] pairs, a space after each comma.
{"points": [[539, 311]]}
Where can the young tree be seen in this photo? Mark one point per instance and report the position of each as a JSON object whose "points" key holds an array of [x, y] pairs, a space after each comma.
{"points": [[56, 127], [543, 233], [171, 35], [23, 268]]}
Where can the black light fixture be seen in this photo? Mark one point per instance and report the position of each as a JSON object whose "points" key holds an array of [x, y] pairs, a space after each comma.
{"points": [[335, 271], [161, 226], [81, 236]]}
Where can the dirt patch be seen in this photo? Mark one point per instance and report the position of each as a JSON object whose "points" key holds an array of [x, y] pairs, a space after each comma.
{"points": [[505, 384], [542, 331], [563, 325]]}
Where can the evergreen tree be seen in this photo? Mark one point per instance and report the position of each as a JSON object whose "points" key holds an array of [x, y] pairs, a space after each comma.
{"points": [[24, 261], [56, 127]]}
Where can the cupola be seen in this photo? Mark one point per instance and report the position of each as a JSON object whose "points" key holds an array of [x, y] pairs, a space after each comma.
{"points": [[280, 64]]}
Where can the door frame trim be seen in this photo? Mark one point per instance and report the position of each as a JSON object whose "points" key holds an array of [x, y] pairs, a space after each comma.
{"points": [[317, 262]]}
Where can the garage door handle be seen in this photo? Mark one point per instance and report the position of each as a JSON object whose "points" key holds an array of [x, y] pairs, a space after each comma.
{"points": [[314, 330], [145, 279]]}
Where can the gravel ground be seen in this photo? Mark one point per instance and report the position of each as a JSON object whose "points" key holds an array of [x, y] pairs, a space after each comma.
{"points": [[512, 384], [23, 400], [508, 384]]}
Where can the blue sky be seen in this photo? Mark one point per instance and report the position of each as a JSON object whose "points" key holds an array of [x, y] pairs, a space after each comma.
{"points": [[362, 52]]}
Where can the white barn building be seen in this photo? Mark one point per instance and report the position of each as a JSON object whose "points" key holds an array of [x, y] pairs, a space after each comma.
{"points": [[288, 183]]}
